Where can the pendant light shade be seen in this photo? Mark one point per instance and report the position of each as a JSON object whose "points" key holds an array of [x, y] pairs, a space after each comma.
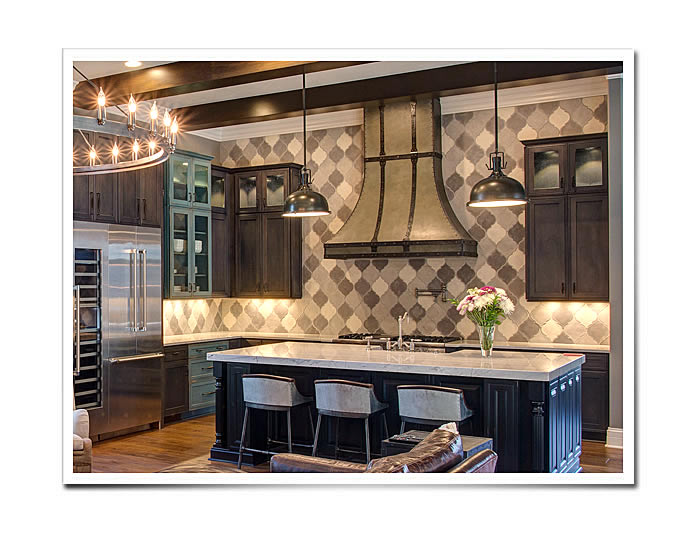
{"points": [[305, 202], [497, 189]]}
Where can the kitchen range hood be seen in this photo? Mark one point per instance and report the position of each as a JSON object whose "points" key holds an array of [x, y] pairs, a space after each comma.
{"points": [[403, 210]]}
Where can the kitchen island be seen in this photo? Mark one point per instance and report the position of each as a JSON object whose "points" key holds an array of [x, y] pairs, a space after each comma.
{"points": [[528, 403]]}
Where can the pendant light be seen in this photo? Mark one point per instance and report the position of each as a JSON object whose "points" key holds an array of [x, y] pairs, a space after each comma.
{"points": [[305, 202], [497, 189]]}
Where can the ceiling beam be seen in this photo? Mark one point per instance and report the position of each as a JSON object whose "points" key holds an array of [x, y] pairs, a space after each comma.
{"points": [[451, 80], [186, 77]]}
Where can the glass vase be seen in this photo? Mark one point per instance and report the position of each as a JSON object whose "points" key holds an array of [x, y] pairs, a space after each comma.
{"points": [[486, 334]]}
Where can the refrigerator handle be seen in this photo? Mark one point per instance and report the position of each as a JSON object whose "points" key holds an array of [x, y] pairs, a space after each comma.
{"points": [[132, 290], [144, 263], [76, 328]]}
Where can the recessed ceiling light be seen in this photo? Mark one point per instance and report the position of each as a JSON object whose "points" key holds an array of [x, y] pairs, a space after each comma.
{"points": [[132, 63]]}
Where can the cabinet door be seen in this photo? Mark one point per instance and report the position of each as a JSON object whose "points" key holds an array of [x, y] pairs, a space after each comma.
{"points": [[577, 412], [129, 197], [248, 264], [588, 166], [151, 196], [201, 253], [201, 180], [546, 249], [220, 256], [501, 422], [545, 169], [588, 222], [106, 198], [274, 188], [175, 387], [180, 269], [83, 195], [553, 426], [179, 180], [219, 190], [275, 256], [246, 187], [594, 404]]}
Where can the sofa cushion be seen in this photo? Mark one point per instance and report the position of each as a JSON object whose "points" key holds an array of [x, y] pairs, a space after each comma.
{"points": [[77, 442], [439, 451], [294, 463]]}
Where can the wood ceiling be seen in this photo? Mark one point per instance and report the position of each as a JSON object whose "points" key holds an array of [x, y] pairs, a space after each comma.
{"points": [[187, 77]]}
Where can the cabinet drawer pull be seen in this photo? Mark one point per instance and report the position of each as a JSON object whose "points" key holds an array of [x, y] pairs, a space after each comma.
{"points": [[209, 393], [573, 181], [92, 199], [138, 208], [98, 203], [143, 209], [562, 287], [209, 367], [574, 287]]}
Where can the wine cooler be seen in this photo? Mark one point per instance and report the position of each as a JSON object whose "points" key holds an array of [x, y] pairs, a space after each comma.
{"points": [[87, 328]]}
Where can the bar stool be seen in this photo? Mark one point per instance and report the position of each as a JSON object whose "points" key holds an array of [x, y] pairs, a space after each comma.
{"points": [[431, 405], [271, 393], [347, 399]]}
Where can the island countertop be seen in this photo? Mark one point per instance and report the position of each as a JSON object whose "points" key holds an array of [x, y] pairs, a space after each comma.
{"points": [[527, 366]]}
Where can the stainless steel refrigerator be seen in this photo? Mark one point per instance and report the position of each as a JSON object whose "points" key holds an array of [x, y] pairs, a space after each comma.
{"points": [[118, 348]]}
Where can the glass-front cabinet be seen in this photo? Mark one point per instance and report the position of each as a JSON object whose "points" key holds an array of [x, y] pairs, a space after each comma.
{"points": [[190, 197], [190, 181], [554, 167], [263, 190], [190, 253]]}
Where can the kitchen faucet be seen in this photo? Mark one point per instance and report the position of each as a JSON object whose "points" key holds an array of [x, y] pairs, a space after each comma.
{"points": [[399, 342]]}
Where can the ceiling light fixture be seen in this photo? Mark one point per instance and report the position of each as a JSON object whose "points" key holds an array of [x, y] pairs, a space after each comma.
{"points": [[160, 143], [133, 63], [497, 189], [305, 202]]}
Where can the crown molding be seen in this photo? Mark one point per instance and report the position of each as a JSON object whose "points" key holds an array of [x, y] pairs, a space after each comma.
{"points": [[478, 101], [526, 95], [351, 117]]}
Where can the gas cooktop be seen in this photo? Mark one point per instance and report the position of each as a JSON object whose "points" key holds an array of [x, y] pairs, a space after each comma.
{"points": [[364, 336]]}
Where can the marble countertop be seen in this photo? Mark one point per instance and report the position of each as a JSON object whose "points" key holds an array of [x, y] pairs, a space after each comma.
{"points": [[202, 337], [529, 366]]}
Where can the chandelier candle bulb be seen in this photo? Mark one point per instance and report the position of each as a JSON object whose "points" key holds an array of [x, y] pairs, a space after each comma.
{"points": [[173, 132], [154, 118], [101, 107], [131, 119], [135, 150], [93, 156], [166, 124], [151, 147], [115, 153]]}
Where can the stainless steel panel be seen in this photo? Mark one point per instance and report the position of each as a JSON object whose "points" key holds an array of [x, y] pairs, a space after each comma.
{"points": [[150, 338], [134, 391], [119, 295]]}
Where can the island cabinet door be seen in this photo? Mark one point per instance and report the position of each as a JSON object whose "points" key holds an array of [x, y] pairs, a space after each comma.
{"points": [[553, 437], [563, 420], [501, 422], [577, 412]]}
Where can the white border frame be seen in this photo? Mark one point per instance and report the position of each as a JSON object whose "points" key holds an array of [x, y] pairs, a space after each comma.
{"points": [[624, 55]]}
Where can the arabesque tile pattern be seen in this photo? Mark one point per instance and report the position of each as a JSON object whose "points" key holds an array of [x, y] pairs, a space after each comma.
{"points": [[361, 295]]}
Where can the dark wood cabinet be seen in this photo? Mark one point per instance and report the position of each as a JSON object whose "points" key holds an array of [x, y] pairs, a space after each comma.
{"points": [[128, 198], [220, 255], [595, 396], [588, 229], [175, 381], [141, 197], [567, 219], [267, 246], [501, 410]]}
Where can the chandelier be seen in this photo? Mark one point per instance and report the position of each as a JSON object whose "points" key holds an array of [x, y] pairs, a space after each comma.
{"points": [[148, 146]]}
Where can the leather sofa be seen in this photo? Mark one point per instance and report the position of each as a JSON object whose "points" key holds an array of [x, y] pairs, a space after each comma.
{"points": [[440, 451]]}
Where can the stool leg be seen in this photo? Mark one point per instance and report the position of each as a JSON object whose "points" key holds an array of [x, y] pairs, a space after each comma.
{"points": [[318, 428], [240, 448], [289, 430], [367, 437], [311, 420], [403, 426]]}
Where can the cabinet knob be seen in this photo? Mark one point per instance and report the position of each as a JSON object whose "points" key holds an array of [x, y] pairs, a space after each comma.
{"points": [[554, 392], [562, 387], [571, 382]]}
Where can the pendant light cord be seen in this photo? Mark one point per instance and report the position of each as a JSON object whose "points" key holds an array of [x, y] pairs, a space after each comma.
{"points": [[495, 102], [303, 105]]}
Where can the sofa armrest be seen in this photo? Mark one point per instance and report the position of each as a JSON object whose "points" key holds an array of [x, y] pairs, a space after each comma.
{"points": [[481, 462], [81, 423], [297, 463]]}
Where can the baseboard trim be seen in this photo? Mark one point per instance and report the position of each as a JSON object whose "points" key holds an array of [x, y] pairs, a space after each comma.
{"points": [[614, 438]]}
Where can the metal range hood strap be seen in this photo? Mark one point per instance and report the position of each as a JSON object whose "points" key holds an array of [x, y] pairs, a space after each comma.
{"points": [[403, 210]]}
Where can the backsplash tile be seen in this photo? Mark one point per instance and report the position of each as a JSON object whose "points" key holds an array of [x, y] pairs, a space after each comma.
{"points": [[361, 295]]}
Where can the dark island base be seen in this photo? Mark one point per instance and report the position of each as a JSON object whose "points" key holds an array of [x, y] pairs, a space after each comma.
{"points": [[535, 426]]}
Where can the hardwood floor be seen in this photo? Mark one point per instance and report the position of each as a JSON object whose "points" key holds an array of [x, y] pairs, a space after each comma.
{"points": [[151, 451]]}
